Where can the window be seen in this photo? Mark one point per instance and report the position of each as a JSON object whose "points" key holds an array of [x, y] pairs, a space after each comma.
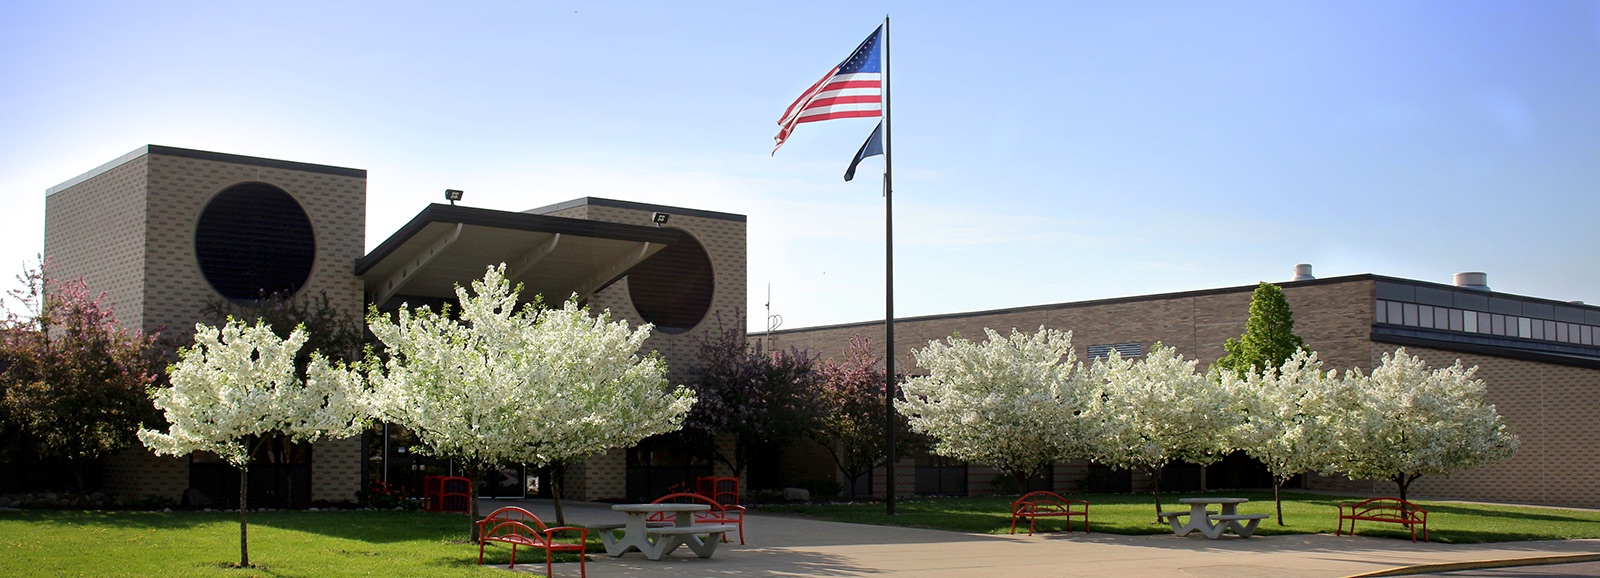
{"points": [[1390, 312], [1125, 350]]}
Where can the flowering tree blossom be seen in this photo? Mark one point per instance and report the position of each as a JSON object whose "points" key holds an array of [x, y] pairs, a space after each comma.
{"points": [[850, 417], [1008, 402], [1410, 421], [238, 385], [72, 378], [499, 384], [1287, 420], [1151, 412]]}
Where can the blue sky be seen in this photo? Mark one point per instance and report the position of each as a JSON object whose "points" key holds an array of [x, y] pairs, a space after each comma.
{"points": [[1044, 152]]}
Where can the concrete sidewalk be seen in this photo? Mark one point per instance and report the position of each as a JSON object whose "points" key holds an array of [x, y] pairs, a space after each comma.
{"points": [[788, 546]]}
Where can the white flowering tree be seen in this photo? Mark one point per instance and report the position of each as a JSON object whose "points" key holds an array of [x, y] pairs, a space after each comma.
{"points": [[1411, 421], [1147, 413], [1287, 420], [237, 386], [1008, 402], [502, 384]]}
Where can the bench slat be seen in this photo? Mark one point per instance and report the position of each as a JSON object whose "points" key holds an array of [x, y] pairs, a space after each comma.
{"points": [[697, 529]]}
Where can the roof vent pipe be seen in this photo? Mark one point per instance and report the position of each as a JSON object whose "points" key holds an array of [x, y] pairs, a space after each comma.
{"points": [[1302, 272], [1475, 280]]}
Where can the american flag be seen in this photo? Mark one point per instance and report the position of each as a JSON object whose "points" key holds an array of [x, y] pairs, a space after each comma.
{"points": [[853, 89]]}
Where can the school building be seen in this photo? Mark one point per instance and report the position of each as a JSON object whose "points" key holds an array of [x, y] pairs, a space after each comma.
{"points": [[167, 232]]}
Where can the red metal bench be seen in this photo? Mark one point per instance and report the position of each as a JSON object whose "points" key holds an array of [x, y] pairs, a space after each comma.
{"points": [[1042, 504], [519, 527], [718, 514], [723, 490], [446, 494], [1392, 510]]}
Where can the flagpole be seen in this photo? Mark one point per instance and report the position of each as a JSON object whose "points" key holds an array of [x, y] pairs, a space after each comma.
{"points": [[888, 315]]}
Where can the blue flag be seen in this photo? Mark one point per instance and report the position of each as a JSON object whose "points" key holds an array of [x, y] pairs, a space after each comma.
{"points": [[873, 147]]}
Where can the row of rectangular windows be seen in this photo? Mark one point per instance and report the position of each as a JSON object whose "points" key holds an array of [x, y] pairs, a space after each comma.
{"points": [[1452, 319]]}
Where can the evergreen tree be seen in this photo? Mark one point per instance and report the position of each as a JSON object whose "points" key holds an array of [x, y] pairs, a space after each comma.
{"points": [[1269, 337]]}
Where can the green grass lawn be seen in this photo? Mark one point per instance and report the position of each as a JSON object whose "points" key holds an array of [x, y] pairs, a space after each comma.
{"points": [[409, 543], [1448, 522], [282, 543]]}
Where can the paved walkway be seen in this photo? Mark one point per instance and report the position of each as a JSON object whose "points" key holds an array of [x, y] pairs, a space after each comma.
{"points": [[787, 546]]}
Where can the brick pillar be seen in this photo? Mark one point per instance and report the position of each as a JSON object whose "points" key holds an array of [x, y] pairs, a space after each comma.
{"points": [[336, 469]]}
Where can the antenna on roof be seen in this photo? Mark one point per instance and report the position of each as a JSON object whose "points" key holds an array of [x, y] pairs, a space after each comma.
{"points": [[773, 321]]}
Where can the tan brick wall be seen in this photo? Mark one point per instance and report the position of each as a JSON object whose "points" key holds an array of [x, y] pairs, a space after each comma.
{"points": [[336, 469], [725, 245], [1334, 319], [96, 230], [137, 473], [724, 242], [129, 231], [175, 290], [1552, 410], [1551, 407]]}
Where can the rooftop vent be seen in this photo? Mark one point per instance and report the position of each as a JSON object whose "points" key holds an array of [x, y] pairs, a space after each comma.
{"points": [[1474, 280], [1302, 272]]}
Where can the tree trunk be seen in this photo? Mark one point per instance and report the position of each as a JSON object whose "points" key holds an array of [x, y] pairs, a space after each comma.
{"points": [[1404, 482], [77, 466], [1277, 496], [1155, 485], [558, 480], [244, 527], [472, 499]]}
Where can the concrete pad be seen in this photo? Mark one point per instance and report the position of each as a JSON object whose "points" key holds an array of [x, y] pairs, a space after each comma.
{"points": [[788, 546]]}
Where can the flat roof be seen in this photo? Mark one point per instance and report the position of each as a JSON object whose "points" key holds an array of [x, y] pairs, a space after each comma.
{"points": [[209, 156], [447, 245], [600, 202]]}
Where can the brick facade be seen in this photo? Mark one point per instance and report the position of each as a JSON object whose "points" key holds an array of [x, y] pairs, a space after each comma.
{"points": [[128, 228], [1549, 405], [723, 238]]}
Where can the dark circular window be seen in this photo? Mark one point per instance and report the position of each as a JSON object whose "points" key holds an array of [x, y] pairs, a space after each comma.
{"points": [[673, 288], [254, 239]]}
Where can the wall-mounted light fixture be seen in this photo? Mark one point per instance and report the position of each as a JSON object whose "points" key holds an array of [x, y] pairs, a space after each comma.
{"points": [[452, 194], [660, 218]]}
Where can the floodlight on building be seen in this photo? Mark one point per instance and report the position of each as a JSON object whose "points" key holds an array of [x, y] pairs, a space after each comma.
{"points": [[660, 218], [452, 194]]}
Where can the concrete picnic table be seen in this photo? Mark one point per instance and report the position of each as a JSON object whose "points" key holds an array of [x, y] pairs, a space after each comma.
{"points": [[658, 541], [1213, 525]]}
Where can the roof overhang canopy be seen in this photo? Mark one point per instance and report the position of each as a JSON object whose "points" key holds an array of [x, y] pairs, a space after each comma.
{"points": [[446, 245]]}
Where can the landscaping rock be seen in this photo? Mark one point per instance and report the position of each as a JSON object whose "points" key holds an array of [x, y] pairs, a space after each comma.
{"points": [[796, 495]]}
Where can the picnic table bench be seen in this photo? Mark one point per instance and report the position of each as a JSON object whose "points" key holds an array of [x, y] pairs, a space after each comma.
{"points": [[1042, 504], [658, 541], [1212, 524], [1392, 510]]}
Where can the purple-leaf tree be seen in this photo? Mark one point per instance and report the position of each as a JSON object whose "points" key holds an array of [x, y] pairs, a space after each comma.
{"points": [[72, 379], [753, 396], [850, 410]]}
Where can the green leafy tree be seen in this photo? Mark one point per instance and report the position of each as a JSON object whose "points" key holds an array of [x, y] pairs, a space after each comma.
{"points": [[72, 379], [1268, 339]]}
